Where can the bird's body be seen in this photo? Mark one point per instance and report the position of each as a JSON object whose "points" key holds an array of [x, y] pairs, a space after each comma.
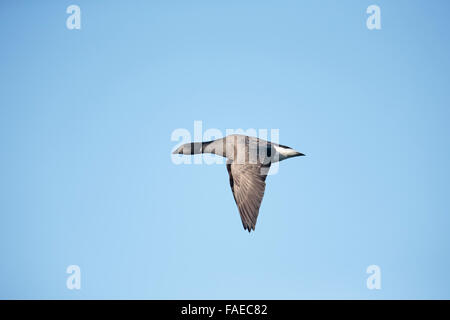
{"points": [[248, 163]]}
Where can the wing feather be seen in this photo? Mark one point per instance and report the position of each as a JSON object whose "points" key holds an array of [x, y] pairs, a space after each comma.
{"points": [[247, 182]]}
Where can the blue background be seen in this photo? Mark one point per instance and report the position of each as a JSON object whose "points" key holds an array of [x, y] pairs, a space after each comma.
{"points": [[86, 176]]}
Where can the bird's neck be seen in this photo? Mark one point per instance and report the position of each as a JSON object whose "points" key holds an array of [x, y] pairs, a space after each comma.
{"points": [[200, 147]]}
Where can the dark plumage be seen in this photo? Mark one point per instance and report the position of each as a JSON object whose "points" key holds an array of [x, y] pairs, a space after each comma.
{"points": [[248, 163]]}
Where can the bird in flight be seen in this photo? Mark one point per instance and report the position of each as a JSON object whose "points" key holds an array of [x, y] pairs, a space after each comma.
{"points": [[248, 163]]}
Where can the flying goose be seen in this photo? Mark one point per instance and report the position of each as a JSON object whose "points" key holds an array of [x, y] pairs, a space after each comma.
{"points": [[248, 162]]}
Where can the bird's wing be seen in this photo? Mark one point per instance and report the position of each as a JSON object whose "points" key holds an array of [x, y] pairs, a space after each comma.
{"points": [[247, 182]]}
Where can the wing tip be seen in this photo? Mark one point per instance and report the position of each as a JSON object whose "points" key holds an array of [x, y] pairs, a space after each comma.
{"points": [[249, 228]]}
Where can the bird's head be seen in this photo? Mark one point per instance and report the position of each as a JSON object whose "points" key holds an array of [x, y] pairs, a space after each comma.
{"points": [[189, 148], [183, 149]]}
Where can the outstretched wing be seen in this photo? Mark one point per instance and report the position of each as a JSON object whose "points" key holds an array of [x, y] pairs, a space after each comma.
{"points": [[247, 182]]}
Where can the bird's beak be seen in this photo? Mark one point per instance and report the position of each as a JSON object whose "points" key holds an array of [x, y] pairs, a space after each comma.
{"points": [[298, 154]]}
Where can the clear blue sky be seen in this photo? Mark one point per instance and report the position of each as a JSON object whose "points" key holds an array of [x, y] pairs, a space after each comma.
{"points": [[87, 179]]}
